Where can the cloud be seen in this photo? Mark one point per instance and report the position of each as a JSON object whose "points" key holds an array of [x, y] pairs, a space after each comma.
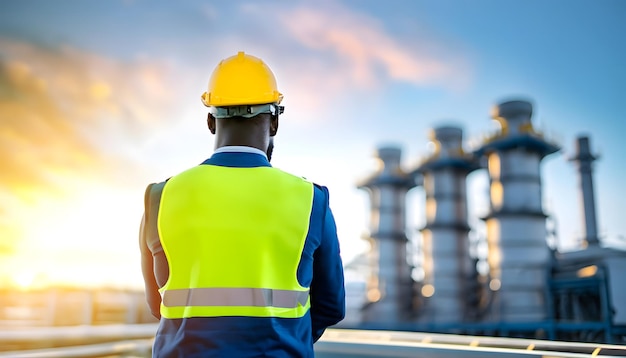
{"points": [[344, 50], [62, 107], [326, 53], [65, 114], [361, 45]]}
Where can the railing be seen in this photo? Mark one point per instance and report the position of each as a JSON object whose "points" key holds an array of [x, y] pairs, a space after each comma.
{"points": [[360, 343], [131, 348], [76, 341], [136, 341]]}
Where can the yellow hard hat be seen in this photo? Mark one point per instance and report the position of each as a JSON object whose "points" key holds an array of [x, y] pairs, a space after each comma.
{"points": [[241, 80]]}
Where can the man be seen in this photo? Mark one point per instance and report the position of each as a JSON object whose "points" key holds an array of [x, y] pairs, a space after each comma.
{"points": [[240, 259]]}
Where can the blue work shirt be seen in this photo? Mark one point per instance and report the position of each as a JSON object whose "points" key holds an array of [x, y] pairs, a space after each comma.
{"points": [[320, 268]]}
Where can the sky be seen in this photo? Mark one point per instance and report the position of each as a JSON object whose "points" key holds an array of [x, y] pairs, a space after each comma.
{"points": [[98, 99]]}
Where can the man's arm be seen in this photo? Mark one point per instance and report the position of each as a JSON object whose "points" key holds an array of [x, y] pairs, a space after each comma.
{"points": [[328, 305], [153, 297]]}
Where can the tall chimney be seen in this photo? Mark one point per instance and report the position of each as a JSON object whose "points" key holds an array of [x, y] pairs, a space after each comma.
{"points": [[584, 161], [390, 287], [516, 225], [449, 272]]}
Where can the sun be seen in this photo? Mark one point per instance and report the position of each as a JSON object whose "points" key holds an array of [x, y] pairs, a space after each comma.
{"points": [[83, 239], [24, 280]]}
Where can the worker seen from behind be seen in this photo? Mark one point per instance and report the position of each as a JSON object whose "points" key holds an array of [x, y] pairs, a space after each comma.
{"points": [[239, 258]]}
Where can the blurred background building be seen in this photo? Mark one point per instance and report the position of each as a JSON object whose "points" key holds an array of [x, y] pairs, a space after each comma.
{"points": [[509, 279]]}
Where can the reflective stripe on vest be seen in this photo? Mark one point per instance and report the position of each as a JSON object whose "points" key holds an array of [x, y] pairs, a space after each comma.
{"points": [[259, 297], [233, 238]]}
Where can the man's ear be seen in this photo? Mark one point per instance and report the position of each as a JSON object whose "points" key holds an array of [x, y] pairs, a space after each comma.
{"points": [[273, 125], [210, 121]]}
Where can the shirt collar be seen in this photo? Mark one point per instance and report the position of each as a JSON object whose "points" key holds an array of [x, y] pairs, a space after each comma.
{"points": [[238, 157], [240, 149]]}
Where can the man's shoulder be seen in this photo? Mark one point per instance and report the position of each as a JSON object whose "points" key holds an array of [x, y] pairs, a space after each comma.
{"points": [[317, 186], [153, 192], [154, 187], [320, 187]]}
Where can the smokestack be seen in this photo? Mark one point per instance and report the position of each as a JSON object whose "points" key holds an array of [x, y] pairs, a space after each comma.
{"points": [[516, 225], [584, 161], [448, 267], [390, 288]]}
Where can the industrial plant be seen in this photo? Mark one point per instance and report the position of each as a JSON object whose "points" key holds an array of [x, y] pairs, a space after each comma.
{"points": [[433, 281]]}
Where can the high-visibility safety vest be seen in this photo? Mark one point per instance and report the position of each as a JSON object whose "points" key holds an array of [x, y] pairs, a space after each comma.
{"points": [[233, 238]]}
